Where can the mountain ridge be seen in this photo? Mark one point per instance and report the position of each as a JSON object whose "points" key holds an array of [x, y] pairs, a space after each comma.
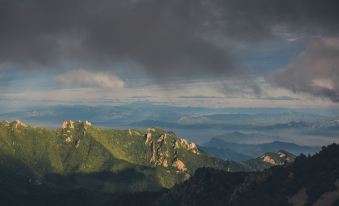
{"points": [[153, 158]]}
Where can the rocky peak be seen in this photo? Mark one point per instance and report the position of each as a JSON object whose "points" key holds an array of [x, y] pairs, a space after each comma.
{"points": [[164, 146], [69, 124], [4, 123], [281, 154], [267, 158], [69, 134], [278, 158], [18, 123], [87, 123], [149, 135], [183, 143], [285, 155]]}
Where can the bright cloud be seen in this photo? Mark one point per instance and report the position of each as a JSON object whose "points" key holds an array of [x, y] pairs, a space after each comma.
{"points": [[82, 78]]}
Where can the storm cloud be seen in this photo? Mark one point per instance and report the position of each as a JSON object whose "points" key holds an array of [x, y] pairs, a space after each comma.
{"points": [[188, 38], [315, 71]]}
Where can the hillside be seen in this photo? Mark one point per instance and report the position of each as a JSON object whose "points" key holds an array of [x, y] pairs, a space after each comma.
{"points": [[79, 155], [79, 164], [307, 181], [311, 180]]}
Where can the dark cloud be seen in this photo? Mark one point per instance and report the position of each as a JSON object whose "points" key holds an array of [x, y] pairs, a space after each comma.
{"points": [[190, 38], [315, 71]]}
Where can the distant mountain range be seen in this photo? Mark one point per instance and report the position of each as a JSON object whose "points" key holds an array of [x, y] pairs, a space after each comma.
{"points": [[104, 115], [195, 123], [240, 151], [226, 154], [248, 137]]}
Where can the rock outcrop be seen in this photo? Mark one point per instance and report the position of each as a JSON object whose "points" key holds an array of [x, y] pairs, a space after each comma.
{"points": [[277, 158], [179, 165], [268, 159], [77, 143], [68, 139], [69, 124], [164, 147], [68, 130], [18, 123], [157, 157], [149, 135], [190, 146], [87, 123], [284, 155], [4, 123]]}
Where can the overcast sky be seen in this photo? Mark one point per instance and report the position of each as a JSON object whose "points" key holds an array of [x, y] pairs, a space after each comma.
{"points": [[216, 53]]}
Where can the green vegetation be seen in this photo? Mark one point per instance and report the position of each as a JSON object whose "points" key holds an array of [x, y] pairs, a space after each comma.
{"points": [[79, 155], [79, 164], [315, 177]]}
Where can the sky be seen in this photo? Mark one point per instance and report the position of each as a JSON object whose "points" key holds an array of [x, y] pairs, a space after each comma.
{"points": [[212, 53]]}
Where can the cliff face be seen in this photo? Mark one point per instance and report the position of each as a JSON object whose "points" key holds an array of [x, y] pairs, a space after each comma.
{"points": [[166, 149]]}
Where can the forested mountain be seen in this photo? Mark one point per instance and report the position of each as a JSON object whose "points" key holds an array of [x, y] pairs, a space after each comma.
{"points": [[79, 155]]}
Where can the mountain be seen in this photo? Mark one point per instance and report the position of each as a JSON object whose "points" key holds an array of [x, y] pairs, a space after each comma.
{"points": [[225, 153], [312, 180], [264, 118], [270, 159], [228, 150], [79, 155], [290, 147], [80, 164], [247, 138], [256, 157]]}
